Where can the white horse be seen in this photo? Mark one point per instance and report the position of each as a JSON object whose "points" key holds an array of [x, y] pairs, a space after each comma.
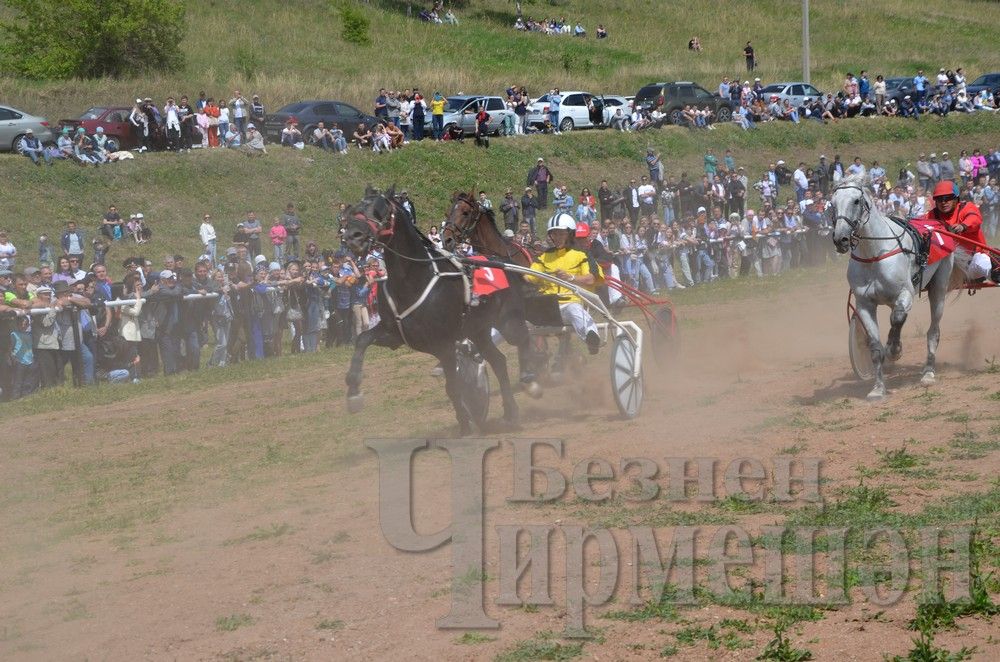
{"points": [[883, 264]]}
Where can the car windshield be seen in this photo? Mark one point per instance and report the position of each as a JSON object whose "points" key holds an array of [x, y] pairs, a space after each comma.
{"points": [[895, 83], [92, 114], [456, 104], [986, 79], [648, 92], [293, 107]]}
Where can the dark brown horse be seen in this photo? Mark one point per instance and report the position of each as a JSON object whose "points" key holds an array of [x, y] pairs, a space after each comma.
{"points": [[474, 224], [423, 303]]}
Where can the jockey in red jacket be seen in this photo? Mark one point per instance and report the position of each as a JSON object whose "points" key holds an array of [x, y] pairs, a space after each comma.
{"points": [[965, 219]]}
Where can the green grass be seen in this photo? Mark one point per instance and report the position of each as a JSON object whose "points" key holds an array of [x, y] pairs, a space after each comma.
{"points": [[295, 49], [541, 647], [260, 534], [173, 191], [233, 622], [474, 638]]}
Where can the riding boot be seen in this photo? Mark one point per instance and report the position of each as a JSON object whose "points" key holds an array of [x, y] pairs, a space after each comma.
{"points": [[995, 275]]}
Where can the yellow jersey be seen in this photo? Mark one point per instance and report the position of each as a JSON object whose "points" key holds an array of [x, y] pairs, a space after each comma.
{"points": [[437, 107], [569, 260]]}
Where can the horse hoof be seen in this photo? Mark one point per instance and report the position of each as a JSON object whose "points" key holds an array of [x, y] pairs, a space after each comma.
{"points": [[895, 352], [533, 389], [355, 403], [877, 393], [929, 379]]}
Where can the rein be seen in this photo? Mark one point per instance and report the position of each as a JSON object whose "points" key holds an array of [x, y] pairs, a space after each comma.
{"points": [[466, 233], [857, 224]]}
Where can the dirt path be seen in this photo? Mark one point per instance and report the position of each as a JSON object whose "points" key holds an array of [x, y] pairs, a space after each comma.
{"points": [[205, 529]]}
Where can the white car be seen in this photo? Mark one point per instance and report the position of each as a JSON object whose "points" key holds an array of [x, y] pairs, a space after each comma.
{"points": [[797, 93], [574, 112]]}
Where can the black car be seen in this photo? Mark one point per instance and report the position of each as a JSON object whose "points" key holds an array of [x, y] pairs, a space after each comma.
{"points": [[672, 97], [310, 113], [988, 82], [898, 87]]}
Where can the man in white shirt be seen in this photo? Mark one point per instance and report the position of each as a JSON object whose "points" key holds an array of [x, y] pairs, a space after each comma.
{"points": [[647, 197], [208, 239], [801, 183]]}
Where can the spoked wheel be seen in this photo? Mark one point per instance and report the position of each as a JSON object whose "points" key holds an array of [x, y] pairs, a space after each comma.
{"points": [[861, 356], [626, 388], [475, 381], [663, 335]]}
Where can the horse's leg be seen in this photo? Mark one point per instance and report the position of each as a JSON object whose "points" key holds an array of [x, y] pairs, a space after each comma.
{"points": [[937, 294], [453, 387], [900, 309], [498, 362], [376, 336], [867, 314]]}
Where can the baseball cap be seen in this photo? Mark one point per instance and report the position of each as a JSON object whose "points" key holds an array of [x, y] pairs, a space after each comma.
{"points": [[251, 126], [508, 233], [540, 159], [139, 215], [259, 259], [28, 130], [274, 266], [167, 274], [780, 162], [231, 251], [44, 289], [701, 210]]}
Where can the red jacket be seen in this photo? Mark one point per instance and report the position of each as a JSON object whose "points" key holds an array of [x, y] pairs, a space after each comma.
{"points": [[967, 214]]}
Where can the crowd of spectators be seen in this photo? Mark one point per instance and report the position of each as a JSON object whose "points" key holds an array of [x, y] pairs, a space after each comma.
{"points": [[263, 294], [249, 303]]}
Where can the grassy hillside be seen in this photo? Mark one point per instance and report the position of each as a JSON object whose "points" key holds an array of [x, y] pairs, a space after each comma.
{"points": [[292, 49], [175, 190]]}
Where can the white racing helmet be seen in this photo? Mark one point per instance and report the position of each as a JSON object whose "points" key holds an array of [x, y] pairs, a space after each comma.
{"points": [[561, 221]]}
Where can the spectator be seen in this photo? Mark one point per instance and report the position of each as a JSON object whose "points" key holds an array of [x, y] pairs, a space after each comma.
{"points": [[540, 176], [555, 99], [233, 138], [33, 148], [748, 55], [694, 45], [72, 241], [509, 207], [293, 227], [257, 110], [339, 142], [602, 33], [278, 235], [438, 102], [8, 252], [290, 135], [418, 115], [241, 110], [208, 238], [254, 145], [363, 137]]}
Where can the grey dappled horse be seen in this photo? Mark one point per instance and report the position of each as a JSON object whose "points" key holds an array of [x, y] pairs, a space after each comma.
{"points": [[883, 263]]}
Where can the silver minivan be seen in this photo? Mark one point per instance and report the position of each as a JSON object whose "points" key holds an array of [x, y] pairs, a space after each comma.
{"points": [[461, 110]]}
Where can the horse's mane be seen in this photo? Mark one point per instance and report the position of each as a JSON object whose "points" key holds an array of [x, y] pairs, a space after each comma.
{"points": [[854, 180]]}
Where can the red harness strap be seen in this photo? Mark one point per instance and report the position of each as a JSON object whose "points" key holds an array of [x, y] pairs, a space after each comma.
{"points": [[877, 258]]}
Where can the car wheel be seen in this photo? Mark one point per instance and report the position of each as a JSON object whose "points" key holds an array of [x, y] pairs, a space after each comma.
{"points": [[724, 114], [15, 145], [113, 144], [676, 117], [566, 124]]}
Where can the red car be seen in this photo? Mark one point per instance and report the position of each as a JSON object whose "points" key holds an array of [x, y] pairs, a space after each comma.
{"points": [[114, 121]]}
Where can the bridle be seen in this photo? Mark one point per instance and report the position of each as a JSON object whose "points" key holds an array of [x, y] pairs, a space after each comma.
{"points": [[380, 230], [464, 233], [858, 223]]}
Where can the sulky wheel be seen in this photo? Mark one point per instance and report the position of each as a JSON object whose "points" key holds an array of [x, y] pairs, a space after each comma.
{"points": [[626, 389], [475, 381], [861, 356]]}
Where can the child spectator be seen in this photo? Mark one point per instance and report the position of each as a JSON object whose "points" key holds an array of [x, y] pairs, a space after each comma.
{"points": [[278, 236], [22, 359], [44, 251], [100, 250]]}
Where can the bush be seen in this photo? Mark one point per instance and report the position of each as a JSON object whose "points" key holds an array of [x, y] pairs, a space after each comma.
{"points": [[91, 38], [357, 27]]}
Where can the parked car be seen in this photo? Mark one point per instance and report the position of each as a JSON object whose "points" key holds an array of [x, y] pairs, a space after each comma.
{"points": [[898, 87], [672, 97], [612, 102], [797, 93], [13, 124], [461, 109], [114, 120], [988, 82], [310, 113], [574, 110]]}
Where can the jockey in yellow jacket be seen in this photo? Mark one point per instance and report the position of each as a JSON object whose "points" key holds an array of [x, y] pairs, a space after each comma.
{"points": [[569, 264]]}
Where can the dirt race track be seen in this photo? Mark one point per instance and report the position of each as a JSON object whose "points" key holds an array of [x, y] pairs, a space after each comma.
{"points": [[221, 524]]}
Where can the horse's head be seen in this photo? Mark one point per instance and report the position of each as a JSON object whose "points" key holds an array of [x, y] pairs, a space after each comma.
{"points": [[461, 221], [371, 220], [850, 208]]}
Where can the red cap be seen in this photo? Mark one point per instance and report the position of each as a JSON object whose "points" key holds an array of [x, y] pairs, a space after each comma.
{"points": [[582, 230], [945, 189]]}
